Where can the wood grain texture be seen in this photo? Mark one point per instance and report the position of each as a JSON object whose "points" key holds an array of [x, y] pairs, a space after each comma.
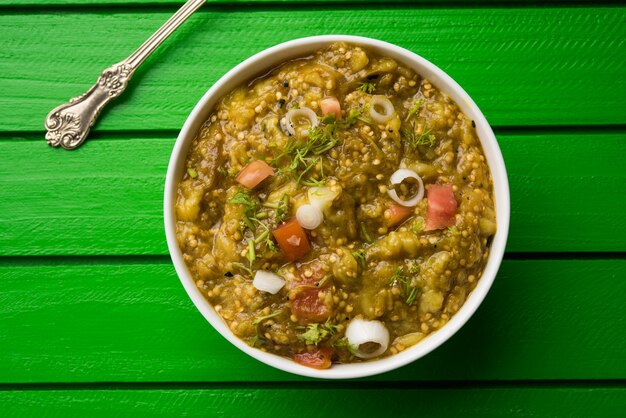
{"points": [[106, 197], [546, 340], [110, 321], [543, 66], [303, 403], [241, 3], [108, 201]]}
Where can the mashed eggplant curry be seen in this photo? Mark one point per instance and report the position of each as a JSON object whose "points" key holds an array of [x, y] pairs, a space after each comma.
{"points": [[338, 209]]}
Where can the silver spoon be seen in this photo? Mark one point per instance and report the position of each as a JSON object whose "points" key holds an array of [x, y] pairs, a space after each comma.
{"points": [[68, 125]]}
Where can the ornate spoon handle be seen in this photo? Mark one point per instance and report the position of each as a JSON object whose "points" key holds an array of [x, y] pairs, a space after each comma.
{"points": [[68, 125]]}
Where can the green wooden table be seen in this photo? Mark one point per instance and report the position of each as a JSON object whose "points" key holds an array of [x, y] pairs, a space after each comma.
{"points": [[93, 320]]}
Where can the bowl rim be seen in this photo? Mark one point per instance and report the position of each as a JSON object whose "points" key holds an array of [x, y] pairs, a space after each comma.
{"points": [[269, 58]]}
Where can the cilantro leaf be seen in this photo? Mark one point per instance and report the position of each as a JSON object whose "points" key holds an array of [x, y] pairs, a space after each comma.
{"points": [[415, 108], [250, 207], [283, 208], [368, 88], [399, 278], [343, 342], [305, 156], [359, 256], [316, 333], [414, 140]]}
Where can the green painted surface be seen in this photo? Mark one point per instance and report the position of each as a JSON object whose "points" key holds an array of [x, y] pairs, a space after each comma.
{"points": [[551, 331], [260, 402], [497, 55], [106, 197], [244, 3], [133, 322]]}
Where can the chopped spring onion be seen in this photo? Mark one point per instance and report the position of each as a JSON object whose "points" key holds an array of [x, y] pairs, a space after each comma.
{"points": [[367, 338], [309, 216], [382, 103], [323, 197], [294, 117], [397, 178], [268, 281]]}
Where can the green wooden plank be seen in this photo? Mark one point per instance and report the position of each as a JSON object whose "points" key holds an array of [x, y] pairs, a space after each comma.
{"points": [[108, 321], [106, 197], [108, 201], [252, 2], [303, 403], [562, 188], [522, 66]]}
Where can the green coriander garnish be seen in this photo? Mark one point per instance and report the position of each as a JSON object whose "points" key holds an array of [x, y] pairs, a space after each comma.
{"points": [[265, 236], [399, 278], [412, 295], [359, 256], [343, 342], [353, 116], [283, 208], [316, 333], [364, 234], [322, 140], [305, 156], [328, 119], [415, 108], [261, 237], [417, 225], [242, 267], [368, 88], [260, 319], [250, 207], [251, 255], [414, 140], [414, 268], [252, 219]]}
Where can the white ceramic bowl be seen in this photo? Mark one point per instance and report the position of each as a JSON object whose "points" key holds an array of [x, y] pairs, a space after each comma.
{"points": [[268, 59]]}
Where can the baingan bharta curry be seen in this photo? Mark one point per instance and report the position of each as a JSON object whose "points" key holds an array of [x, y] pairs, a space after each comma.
{"points": [[337, 209]]}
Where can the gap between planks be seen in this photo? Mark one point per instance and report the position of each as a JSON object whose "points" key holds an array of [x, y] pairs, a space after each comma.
{"points": [[168, 134], [165, 259], [326, 385], [132, 6], [499, 55]]}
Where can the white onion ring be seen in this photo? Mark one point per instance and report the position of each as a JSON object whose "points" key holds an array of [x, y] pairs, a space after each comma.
{"points": [[360, 331], [303, 112], [398, 177], [309, 216], [268, 282], [383, 102]]}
